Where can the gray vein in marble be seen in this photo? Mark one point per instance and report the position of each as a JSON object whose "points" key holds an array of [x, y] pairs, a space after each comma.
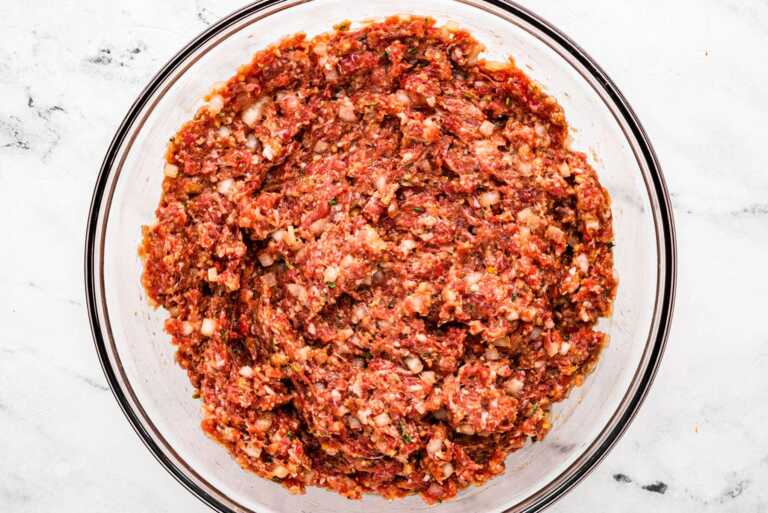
{"points": [[12, 129], [622, 478], [656, 487], [106, 56], [12, 494], [91, 382], [204, 14], [755, 209], [659, 487], [734, 491], [73, 302]]}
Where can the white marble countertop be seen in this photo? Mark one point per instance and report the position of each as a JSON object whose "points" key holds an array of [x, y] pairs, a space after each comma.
{"points": [[694, 70]]}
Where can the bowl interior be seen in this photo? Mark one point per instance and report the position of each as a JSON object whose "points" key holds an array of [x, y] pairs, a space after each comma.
{"points": [[141, 353]]}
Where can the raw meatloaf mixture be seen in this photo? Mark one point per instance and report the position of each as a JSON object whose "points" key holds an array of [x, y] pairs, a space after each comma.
{"points": [[382, 262]]}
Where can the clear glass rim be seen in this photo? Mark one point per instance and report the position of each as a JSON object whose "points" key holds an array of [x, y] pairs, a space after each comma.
{"points": [[164, 79]]}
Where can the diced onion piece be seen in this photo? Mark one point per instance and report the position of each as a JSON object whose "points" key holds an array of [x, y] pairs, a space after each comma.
{"points": [[297, 291], [406, 245], [447, 470], [171, 170], [526, 168], [414, 364], [363, 414], [330, 274], [347, 110], [382, 419], [290, 237], [502, 342], [320, 49], [208, 327], [225, 185], [402, 97], [269, 279], [213, 274], [527, 217], [496, 65], [265, 259], [514, 386], [466, 429], [253, 114], [380, 182], [318, 226], [280, 471], [215, 104], [434, 446], [487, 128], [331, 75], [356, 388], [263, 423], [552, 346], [321, 146], [435, 490], [489, 198], [246, 372], [473, 281], [582, 262], [268, 152], [288, 101], [428, 377]]}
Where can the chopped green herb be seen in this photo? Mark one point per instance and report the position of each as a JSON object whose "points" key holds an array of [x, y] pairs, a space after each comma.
{"points": [[534, 408], [332, 202], [330, 284], [412, 50], [404, 434], [367, 355], [418, 210]]}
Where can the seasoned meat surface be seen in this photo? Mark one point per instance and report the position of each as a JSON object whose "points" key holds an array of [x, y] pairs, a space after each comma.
{"points": [[381, 261]]}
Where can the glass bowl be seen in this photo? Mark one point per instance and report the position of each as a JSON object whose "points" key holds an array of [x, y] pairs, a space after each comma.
{"points": [[137, 356]]}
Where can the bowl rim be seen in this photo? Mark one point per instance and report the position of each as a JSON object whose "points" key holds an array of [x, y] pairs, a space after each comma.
{"points": [[663, 224]]}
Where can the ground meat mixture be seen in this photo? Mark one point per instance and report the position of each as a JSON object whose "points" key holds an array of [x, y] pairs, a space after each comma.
{"points": [[382, 262]]}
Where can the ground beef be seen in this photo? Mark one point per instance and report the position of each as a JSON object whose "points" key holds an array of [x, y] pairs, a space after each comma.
{"points": [[382, 262]]}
